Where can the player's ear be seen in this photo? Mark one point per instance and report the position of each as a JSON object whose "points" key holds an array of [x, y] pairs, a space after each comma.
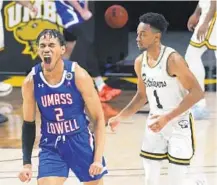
{"points": [[158, 36], [63, 49]]}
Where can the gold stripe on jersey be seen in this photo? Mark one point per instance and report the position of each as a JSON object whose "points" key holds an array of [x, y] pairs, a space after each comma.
{"points": [[206, 41], [178, 161], [211, 28], [197, 45], [185, 161], [191, 119], [209, 46], [153, 156], [1, 49]]}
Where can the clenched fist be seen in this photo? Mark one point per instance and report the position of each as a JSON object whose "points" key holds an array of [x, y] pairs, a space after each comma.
{"points": [[25, 174]]}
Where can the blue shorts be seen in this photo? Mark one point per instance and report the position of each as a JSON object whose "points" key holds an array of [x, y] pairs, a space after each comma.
{"points": [[60, 153]]}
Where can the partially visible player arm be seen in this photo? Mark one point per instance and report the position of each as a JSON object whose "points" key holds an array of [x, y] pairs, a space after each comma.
{"points": [[140, 98], [29, 5], [197, 11], [28, 128], [29, 109], [78, 7], [194, 18], [202, 31], [84, 12], [179, 68], [26, 3], [211, 12], [85, 85]]}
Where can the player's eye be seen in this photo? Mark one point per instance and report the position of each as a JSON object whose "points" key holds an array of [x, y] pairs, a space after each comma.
{"points": [[42, 46], [52, 45]]}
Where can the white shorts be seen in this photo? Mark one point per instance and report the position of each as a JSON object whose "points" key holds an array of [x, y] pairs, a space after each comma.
{"points": [[174, 142], [2, 44], [210, 39]]}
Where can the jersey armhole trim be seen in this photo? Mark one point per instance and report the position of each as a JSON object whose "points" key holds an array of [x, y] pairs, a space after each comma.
{"points": [[167, 65], [73, 66], [32, 71]]}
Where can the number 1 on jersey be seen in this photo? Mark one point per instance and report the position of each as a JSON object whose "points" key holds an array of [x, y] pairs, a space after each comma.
{"points": [[157, 100], [59, 114]]}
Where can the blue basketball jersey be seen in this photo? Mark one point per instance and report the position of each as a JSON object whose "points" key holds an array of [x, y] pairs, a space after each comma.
{"points": [[61, 105], [68, 14]]}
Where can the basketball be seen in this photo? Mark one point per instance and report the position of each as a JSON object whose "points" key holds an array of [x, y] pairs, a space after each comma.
{"points": [[116, 16]]}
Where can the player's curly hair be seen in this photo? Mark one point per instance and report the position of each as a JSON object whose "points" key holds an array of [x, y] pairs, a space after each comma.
{"points": [[53, 33], [155, 20]]}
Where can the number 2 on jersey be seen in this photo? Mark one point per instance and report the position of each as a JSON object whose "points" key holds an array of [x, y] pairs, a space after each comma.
{"points": [[59, 114], [157, 100]]}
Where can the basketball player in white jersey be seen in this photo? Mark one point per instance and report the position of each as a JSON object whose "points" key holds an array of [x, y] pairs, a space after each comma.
{"points": [[5, 88], [165, 81], [203, 23]]}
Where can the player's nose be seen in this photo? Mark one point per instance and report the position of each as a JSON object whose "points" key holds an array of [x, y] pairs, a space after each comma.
{"points": [[46, 49]]}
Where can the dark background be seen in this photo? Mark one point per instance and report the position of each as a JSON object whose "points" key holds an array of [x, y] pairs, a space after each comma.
{"points": [[111, 44], [176, 12]]}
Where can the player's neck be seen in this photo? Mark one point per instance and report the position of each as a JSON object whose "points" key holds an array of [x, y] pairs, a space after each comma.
{"points": [[55, 75], [153, 52]]}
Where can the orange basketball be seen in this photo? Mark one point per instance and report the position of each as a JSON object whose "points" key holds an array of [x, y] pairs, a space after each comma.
{"points": [[116, 16]]}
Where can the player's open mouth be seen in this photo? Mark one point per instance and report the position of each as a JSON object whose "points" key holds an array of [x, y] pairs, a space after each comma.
{"points": [[47, 59]]}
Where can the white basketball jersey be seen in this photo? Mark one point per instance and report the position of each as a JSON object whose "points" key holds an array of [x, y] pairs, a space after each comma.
{"points": [[164, 92]]}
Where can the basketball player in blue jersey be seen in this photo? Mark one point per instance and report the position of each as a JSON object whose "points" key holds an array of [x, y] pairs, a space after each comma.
{"points": [[166, 82], [62, 90]]}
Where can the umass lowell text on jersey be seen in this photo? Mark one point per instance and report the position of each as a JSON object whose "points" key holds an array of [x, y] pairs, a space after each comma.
{"points": [[61, 105]]}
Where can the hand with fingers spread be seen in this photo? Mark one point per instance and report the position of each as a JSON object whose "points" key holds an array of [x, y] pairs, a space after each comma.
{"points": [[160, 122], [25, 174], [95, 169], [201, 33]]}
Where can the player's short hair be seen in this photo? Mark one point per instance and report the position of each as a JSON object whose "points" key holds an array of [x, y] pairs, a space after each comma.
{"points": [[155, 20], [53, 33]]}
